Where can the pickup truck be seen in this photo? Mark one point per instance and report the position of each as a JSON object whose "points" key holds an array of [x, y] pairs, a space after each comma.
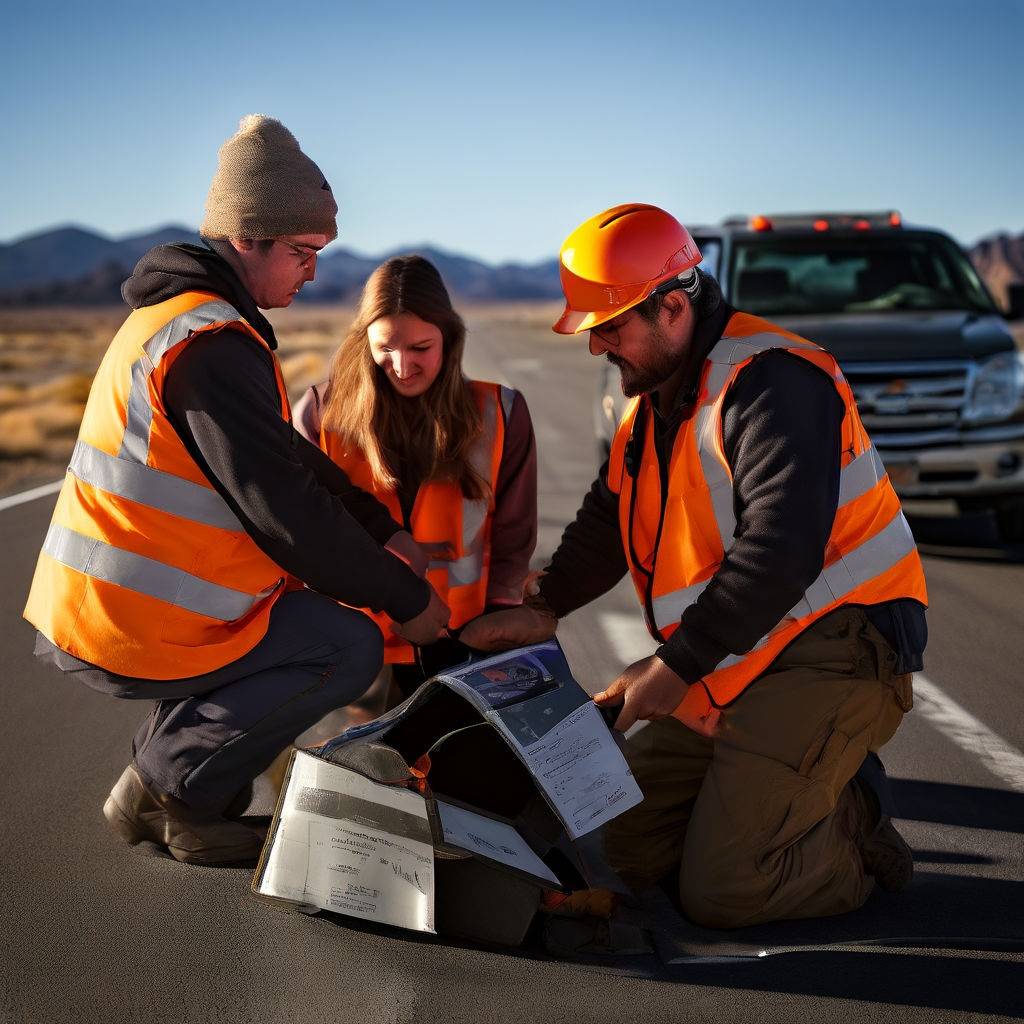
{"points": [[935, 370]]}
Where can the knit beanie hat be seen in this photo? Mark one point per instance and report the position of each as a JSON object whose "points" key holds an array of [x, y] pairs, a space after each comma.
{"points": [[266, 187]]}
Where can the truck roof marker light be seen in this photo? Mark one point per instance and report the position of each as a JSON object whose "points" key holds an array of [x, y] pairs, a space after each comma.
{"points": [[821, 225], [895, 220], [760, 223], [862, 225]]}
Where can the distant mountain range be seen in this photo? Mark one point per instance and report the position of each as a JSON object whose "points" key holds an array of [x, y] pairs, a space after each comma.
{"points": [[1000, 261], [73, 266]]}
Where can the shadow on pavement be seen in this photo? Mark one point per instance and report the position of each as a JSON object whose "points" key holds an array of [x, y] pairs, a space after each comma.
{"points": [[948, 942], [937, 910], [966, 806], [952, 983], [946, 857]]}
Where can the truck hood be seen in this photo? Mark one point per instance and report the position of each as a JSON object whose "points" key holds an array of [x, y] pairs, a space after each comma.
{"points": [[905, 335]]}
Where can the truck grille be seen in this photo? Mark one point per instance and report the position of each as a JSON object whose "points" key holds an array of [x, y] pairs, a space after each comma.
{"points": [[909, 405]]}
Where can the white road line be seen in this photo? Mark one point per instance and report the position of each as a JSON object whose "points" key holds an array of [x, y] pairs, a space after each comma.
{"points": [[626, 635], [37, 492], [549, 434], [967, 732], [629, 641]]}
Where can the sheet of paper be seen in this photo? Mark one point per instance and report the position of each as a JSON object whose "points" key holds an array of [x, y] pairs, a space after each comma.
{"points": [[352, 846], [370, 874], [582, 771], [495, 840]]}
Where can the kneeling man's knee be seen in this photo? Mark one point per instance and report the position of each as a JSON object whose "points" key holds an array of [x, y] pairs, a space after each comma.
{"points": [[718, 891], [700, 906]]}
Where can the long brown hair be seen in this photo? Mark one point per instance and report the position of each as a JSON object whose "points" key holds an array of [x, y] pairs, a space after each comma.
{"points": [[423, 438]]}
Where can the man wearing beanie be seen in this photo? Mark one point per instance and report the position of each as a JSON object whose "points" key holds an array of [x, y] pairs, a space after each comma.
{"points": [[193, 513]]}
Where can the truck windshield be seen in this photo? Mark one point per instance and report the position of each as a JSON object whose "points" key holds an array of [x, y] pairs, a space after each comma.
{"points": [[863, 273], [710, 251]]}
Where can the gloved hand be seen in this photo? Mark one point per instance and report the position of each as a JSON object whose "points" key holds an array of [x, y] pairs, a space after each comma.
{"points": [[647, 689], [511, 627], [404, 547], [431, 624]]}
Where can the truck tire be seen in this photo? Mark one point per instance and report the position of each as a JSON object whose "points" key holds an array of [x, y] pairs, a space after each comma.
{"points": [[1010, 517]]}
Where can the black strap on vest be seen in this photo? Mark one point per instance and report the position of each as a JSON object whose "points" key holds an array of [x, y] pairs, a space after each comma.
{"points": [[633, 453]]}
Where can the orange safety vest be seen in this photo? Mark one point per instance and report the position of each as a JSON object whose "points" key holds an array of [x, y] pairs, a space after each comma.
{"points": [[674, 543], [145, 570], [454, 530]]}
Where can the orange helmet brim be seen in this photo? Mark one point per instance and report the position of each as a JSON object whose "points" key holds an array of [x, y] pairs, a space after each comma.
{"points": [[576, 321]]}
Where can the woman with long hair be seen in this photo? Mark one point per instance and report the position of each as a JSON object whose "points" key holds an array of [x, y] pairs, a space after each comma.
{"points": [[453, 459]]}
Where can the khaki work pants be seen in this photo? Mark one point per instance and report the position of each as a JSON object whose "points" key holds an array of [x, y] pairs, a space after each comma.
{"points": [[760, 821]]}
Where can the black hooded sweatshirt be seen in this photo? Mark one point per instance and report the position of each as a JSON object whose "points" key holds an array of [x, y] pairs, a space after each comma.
{"points": [[299, 507]]}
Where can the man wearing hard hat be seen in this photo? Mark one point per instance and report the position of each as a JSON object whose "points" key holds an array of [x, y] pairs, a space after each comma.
{"points": [[767, 546]]}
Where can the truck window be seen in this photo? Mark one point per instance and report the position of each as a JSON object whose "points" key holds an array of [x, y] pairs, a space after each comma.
{"points": [[711, 254], [865, 273]]}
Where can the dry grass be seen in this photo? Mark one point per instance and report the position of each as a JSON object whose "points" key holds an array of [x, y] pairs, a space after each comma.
{"points": [[48, 358]]}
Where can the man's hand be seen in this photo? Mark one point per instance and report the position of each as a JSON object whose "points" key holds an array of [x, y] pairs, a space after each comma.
{"points": [[430, 625], [512, 627], [404, 547], [648, 689]]}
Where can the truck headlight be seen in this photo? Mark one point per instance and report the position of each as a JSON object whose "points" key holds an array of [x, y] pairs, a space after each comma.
{"points": [[997, 393]]}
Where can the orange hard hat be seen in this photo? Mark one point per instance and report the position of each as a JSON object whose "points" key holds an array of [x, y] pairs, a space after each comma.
{"points": [[613, 261]]}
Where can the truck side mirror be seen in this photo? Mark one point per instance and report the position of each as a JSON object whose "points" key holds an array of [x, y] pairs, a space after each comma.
{"points": [[1015, 301]]}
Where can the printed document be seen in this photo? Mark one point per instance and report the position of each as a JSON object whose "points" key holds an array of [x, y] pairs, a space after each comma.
{"points": [[581, 769], [492, 839], [353, 846]]}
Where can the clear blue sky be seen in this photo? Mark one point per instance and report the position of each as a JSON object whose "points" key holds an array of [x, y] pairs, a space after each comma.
{"points": [[492, 129]]}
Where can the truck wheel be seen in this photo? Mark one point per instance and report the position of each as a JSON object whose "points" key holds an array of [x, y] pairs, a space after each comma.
{"points": [[1010, 517]]}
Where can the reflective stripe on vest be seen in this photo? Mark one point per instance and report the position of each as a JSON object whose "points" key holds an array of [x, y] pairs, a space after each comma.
{"points": [[151, 487], [469, 568], [508, 396], [147, 576], [128, 476], [863, 563], [139, 419], [855, 479], [729, 352]]}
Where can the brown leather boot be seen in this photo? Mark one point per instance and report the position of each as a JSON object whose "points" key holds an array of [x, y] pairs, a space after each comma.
{"points": [[137, 812], [887, 857]]}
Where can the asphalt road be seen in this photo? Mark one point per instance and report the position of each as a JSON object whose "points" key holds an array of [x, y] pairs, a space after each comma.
{"points": [[92, 931]]}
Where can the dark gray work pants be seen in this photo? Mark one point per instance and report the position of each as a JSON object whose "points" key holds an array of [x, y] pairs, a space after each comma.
{"points": [[208, 736]]}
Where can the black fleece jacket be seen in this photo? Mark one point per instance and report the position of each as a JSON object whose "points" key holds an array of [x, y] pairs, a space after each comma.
{"points": [[296, 504], [781, 432]]}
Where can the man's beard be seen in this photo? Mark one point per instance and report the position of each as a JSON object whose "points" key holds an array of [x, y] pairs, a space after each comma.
{"points": [[659, 364]]}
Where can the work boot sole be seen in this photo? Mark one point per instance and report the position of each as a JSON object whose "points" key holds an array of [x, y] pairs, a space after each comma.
{"points": [[179, 837], [888, 858]]}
